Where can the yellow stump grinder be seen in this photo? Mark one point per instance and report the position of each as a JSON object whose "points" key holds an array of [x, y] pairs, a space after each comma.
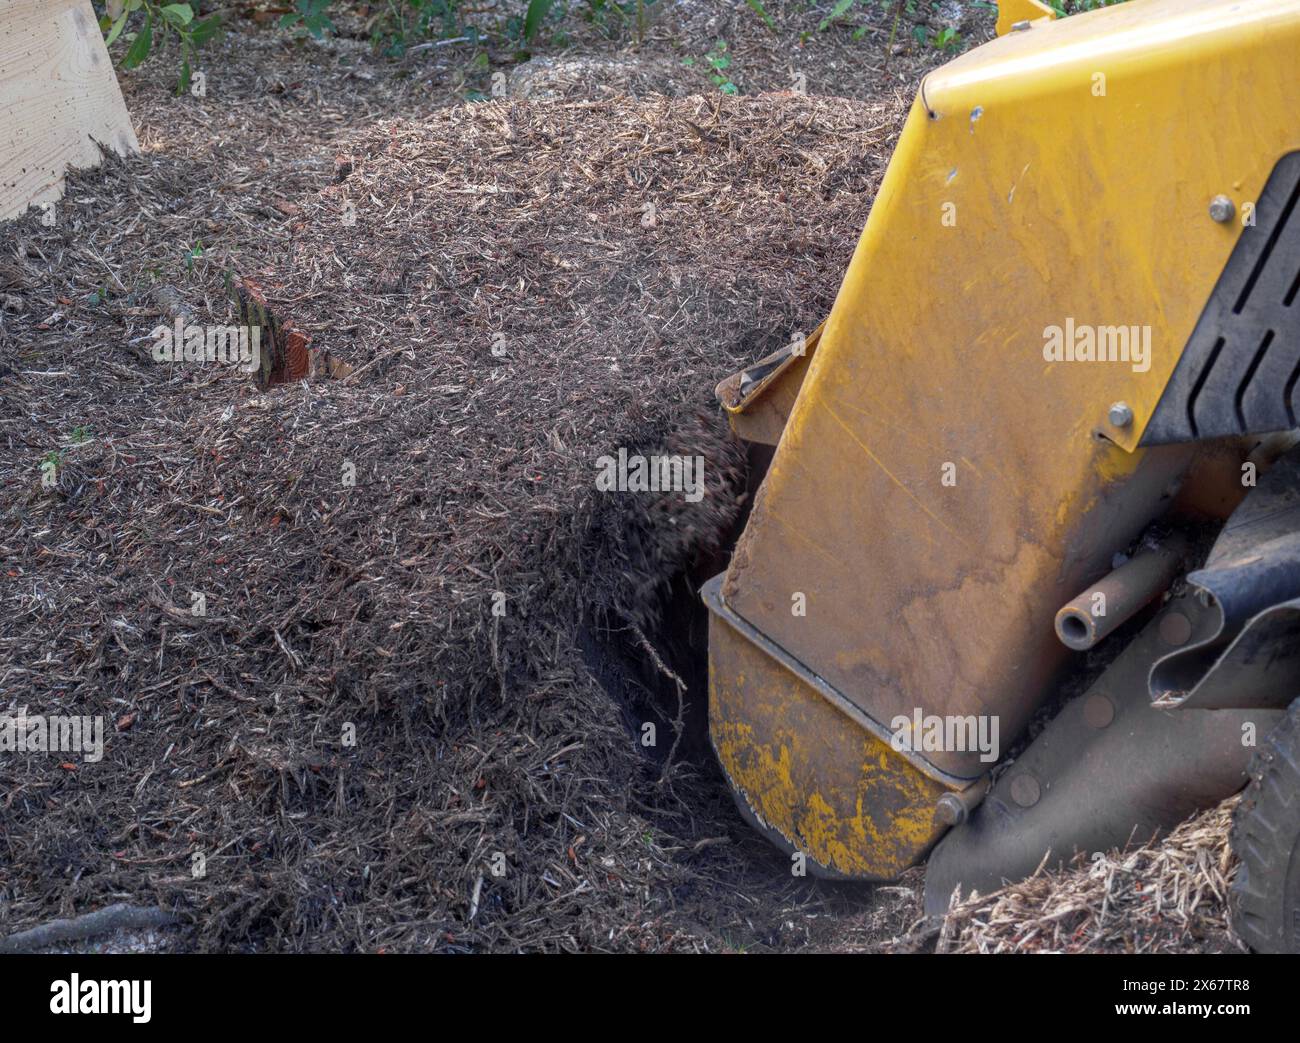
{"points": [[1023, 576]]}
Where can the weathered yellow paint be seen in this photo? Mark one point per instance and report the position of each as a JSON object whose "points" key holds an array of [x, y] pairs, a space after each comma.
{"points": [[805, 771], [1078, 158]]}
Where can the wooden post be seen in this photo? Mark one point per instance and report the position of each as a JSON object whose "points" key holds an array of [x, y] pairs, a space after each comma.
{"points": [[58, 96]]}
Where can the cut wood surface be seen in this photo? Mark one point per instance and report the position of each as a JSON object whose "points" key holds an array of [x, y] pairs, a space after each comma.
{"points": [[58, 96]]}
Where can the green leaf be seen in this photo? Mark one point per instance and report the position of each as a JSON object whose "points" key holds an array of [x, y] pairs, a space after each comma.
{"points": [[537, 12], [177, 14], [840, 8], [206, 30], [184, 83], [289, 19], [116, 31], [757, 7], [139, 49]]}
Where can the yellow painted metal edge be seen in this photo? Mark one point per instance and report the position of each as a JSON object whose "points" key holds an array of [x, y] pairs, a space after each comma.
{"points": [[1013, 12], [711, 593]]}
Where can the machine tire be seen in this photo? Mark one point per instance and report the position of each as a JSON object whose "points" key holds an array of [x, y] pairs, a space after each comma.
{"points": [[1266, 837]]}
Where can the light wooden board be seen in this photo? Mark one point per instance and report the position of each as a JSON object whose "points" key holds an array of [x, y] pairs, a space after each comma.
{"points": [[57, 93]]}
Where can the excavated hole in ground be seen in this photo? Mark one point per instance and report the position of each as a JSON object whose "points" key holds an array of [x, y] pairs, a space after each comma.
{"points": [[643, 690]]}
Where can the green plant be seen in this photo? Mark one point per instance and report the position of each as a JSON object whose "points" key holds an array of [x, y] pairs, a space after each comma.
{"points": [[524, 29], [156, 23], [53, 459], [535, 15], [719, 61], [844, 7], [757, 7], [398, 24], [840, 9], [610, 16], [1064, 8], [947, 39], [311, 15], [393, 26]]}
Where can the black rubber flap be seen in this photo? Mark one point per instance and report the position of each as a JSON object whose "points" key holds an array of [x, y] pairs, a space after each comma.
{"points": [[1240, 370]]}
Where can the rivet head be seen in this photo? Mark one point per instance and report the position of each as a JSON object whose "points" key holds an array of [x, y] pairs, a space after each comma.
{"points": [[1025, 790], [1222, 209], [1121, 414], [1098, 711], [1175, 629]]}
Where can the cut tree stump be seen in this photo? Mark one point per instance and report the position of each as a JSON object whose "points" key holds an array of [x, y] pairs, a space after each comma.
{"points": [[58, 97], [286, 352]]}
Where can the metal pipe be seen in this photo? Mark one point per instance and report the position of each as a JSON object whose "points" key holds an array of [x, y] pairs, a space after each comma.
{"points": [[1118, 596]]}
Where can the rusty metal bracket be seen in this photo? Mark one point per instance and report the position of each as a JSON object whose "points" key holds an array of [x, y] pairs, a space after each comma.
{"points": [[758, 399]]}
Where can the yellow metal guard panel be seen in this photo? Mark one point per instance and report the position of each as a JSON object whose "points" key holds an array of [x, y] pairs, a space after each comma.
{"points": [[1075, 162]]}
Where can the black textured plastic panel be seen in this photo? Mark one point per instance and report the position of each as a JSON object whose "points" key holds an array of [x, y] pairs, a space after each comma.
{"points": [[1240, 371]]}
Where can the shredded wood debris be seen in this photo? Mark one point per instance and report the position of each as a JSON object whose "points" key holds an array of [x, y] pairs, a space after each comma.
{"points": [[320, 735], [1169, 896]]}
